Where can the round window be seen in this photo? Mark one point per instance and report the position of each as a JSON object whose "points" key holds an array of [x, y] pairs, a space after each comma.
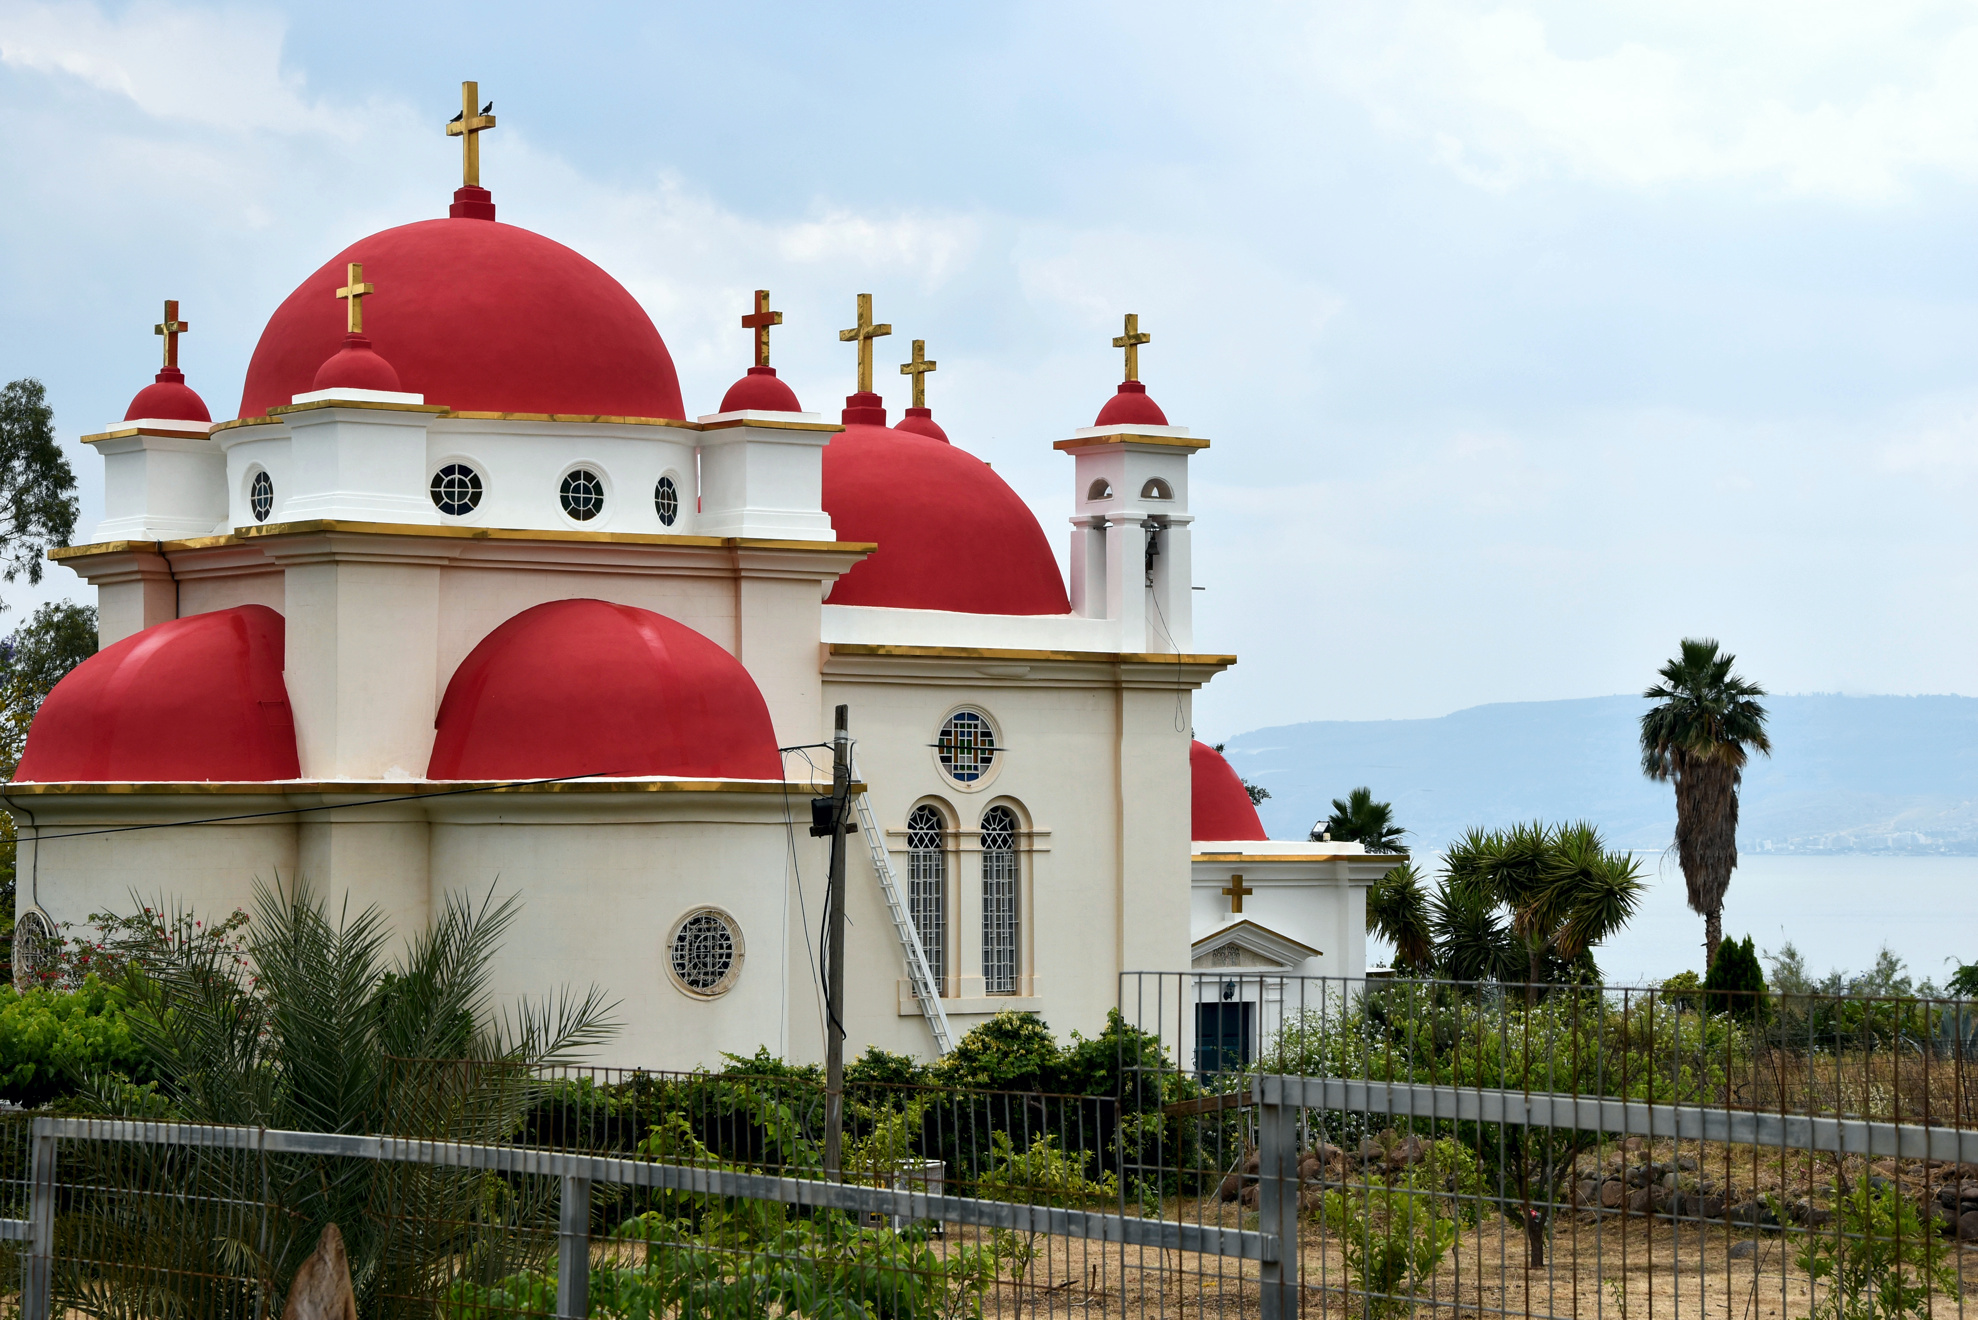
{"points": [[705, 952], [261, 496], [583, 494], [666, 499], [456, 489], [967, 746]]}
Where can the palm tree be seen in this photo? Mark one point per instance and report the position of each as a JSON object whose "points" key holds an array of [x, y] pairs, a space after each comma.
{"points": [[1360, 819], [1397, 911], [1700, 736], [1564, 890]]}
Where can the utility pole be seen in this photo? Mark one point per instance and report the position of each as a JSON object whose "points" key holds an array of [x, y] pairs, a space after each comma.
{"points": [[834, 958]]}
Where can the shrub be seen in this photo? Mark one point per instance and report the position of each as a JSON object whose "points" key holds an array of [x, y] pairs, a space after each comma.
{"points": [[50, 1040], [1393, 1238], [1736, 984], [1684, 990], [1882, 1263]]}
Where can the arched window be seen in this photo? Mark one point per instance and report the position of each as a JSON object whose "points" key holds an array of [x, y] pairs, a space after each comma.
{"points": [[1156, 489], [999, 901], [927, 886], [1100, 490]]}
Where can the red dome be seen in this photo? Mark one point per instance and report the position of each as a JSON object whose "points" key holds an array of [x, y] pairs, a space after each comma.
{"points": [[198, 698], [585, 687], [1222, 808], [1131, 407], [356, 366], [168, 399], [951, 534], [479, 316], [760, 391], [920, 421]]}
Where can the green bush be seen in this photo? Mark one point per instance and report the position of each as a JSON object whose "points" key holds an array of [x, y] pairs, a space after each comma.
{"points": [[1684, 990], [50, 1040], [1883, 1263], [1736, 984], [1393, 1238]]}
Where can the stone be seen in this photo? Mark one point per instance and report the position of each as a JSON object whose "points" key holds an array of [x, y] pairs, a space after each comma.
{"points": [[321, 1288], [1669, 1181], [1309, 1168], [1638, 1201], [1252, 1161], [1755, 1213], [1967, 1191], [1967, 1226], [1232, 1187], [1369, 1149], [1612, 1193], [1250, 1196], [1686, 1163], [1632, 1143], [1710, 1207], [1744, 1250]]}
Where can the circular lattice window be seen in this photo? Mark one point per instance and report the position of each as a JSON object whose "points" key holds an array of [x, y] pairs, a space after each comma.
{"points": [[966, 746], [583, 494], [456, 490], [705, 952], [261, 496], [666, 500]]}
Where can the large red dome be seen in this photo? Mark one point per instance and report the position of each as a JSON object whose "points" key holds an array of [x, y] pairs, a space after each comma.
{"points": [[199, 698], [951, 534], [479, 316], [1222, 808], [585, 687]]}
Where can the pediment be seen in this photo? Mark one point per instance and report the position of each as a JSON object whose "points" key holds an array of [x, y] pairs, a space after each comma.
{"points": [[1246, 944]]}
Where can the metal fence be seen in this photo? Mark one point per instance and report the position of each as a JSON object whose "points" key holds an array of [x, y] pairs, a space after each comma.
{"points": [[1482, 1149]]}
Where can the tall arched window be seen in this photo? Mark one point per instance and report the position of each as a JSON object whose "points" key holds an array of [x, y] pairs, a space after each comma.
{"points": [[999, 901], [927, 886]]}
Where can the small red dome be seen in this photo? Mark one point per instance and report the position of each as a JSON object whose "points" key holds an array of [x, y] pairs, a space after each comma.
{"points": [[760, 391], [920, 421], [479, 316], [356, 366], [193, 699], [585, 687], [1222, 806], [951, 534], [1131, 407], [168, 399]]}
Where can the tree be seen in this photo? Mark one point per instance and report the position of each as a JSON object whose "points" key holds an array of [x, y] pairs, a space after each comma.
{"points": [[1736, 983], [1360, 819], [1524, 905], [37, 486], [1699, 738], [33, 659], [1257, 792]]}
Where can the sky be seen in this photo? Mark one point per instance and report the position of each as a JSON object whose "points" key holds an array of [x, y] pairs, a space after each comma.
{"points": [[1529, 338]]}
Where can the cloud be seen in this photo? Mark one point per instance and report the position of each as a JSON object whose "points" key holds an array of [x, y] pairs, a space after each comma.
{"points": [[1820, 99]]}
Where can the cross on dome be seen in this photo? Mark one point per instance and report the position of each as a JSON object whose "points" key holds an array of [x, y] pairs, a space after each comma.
{"points": [[918, 369], [353, 293], [468, 125], [171, 328], [1131, 342], [864, 333], [759, 321]]}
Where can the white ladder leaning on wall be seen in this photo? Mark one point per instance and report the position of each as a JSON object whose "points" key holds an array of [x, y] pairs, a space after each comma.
{"points": [[925, 992]]}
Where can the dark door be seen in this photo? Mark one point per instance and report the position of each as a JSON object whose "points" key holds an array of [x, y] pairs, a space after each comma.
{"points": [[1222, 1036]]}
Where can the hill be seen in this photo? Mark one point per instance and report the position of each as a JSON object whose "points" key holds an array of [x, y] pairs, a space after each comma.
{"points": [[1890, 775]]}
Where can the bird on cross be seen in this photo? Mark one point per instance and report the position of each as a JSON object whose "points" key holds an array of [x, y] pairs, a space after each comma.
{"points": [[468, 126]]}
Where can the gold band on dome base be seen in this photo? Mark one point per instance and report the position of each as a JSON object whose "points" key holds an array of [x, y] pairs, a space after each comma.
{"points": [[275, 415], [245, 535], [1000, 653], [1130, 438], [397, 788]]}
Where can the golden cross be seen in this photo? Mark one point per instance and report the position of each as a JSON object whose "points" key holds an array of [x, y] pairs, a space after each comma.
{"points": [[918, 369], [468, 126], [171, 329], [1236, 889], [759, 321], [354, 292], [864, 332], [1131, 342]]}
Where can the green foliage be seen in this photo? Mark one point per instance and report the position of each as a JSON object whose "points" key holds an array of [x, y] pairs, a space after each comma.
{"points": [[51, 1039], [821, 1268], [1526, 905], [1964, 981], [1736, 984], [317, 1030], [37, 656], [877, 1067], [1012, 1051], [1043, 1174], [1882, 1262], [1360, 819], [1684, 990], [37, 486], [1393, 1238]]}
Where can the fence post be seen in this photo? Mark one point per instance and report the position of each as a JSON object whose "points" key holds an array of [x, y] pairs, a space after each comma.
{"points": [[1277, 1197], [38, 1267], [573, 1251]]}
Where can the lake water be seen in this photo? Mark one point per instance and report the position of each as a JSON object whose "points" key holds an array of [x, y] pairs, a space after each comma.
{"points": [[1838, 911]]}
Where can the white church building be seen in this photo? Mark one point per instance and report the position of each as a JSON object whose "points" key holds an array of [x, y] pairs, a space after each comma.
{"points": [[458, 599]]}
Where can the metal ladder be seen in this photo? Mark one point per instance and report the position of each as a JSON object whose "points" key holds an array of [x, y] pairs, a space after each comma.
{"points": [[918, 975]]}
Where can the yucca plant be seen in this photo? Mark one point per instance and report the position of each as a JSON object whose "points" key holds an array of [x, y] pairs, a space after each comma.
{"points": [[314, 1026]]}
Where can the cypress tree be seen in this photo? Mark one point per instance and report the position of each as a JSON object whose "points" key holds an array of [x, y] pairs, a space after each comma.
{"points": [[1736, 983]]}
